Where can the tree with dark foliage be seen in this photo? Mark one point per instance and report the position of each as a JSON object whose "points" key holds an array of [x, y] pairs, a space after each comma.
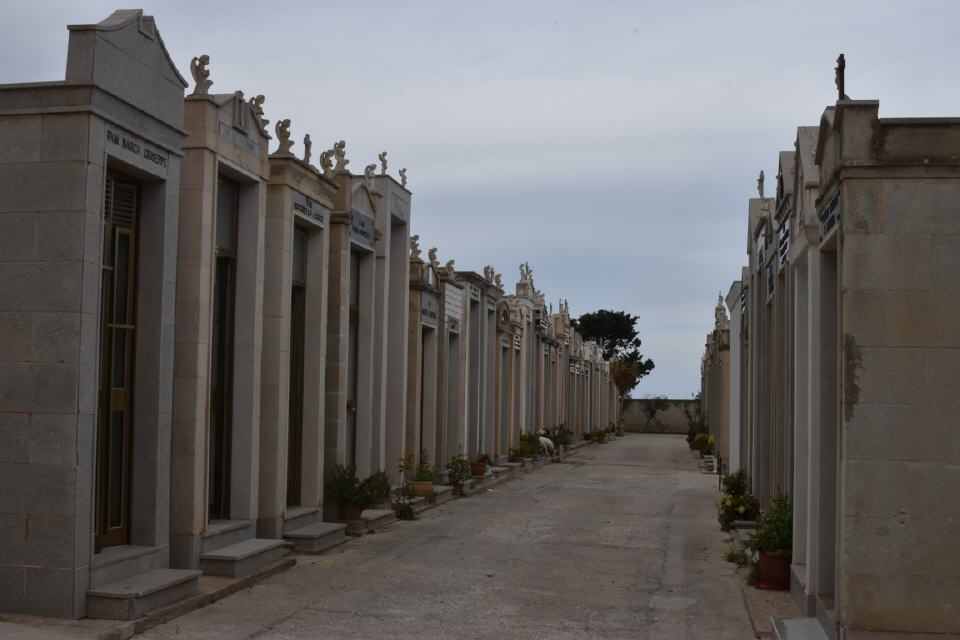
{"points": [[616, 334]]}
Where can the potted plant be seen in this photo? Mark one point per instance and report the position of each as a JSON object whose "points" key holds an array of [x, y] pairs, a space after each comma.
{"points": [[773, 541], [423, 478], [529, 446], [458, 472], [515, 456], [478, 468], [736, 503], [345, 489]]}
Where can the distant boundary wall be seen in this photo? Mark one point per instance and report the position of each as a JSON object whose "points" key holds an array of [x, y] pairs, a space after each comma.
{"points": [[669, 420]]}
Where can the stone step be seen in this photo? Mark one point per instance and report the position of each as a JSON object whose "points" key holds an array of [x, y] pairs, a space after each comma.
{"points": [[317, 537], [496, 472], [242, 558], [372, 519], [442, 493], [133, 597], [223, 533], [299, 517], [797, 629]]}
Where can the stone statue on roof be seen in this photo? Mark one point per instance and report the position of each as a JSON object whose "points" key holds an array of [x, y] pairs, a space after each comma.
{"points": [[369, 173], [256, 107], [403, 177], [283, 135], [760, 184], [838, 79], [307, 148], [414, 247], [448, 268], [432, 257], [721, 320], [326, 164], [201, 75], [340, 153], [382, 157]]}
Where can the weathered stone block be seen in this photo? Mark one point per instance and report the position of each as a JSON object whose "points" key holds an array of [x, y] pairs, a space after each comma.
{"points": [[922, 206], [49, 592], [40, 286], [15, 336], [50, 541], [60, 235], [897, 375], [64, 137], [14, 437], [13, 538], [53, 438], [21, 139], [18, 236], [946, 262], [887, 262], [55, 337], [863, 207], [883, 488], [46, 186], [41, 387]]}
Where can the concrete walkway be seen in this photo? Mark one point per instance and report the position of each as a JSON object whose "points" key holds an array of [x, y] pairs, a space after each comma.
{"points": [[620, 542]]}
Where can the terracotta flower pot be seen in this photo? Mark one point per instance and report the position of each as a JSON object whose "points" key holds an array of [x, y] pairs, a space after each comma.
{"points": [[478, 469], [352, 512], [423, 489], [774, 571]]}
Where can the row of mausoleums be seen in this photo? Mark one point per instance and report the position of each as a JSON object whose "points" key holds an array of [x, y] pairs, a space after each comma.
{"points": [[836, 376], [196, 331]]}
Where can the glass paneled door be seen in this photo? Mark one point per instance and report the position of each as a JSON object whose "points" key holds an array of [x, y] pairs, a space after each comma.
{"points": [[115, 402], [221, 353]]}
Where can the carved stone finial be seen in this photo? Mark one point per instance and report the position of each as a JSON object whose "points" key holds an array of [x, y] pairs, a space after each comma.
{"points": [[256, 107], [760, 184], [326, 164], [551, 308], [307, 148], [283, 135], [369, 173], [403, 177], [340, 154], [839, 79], [526, 273], [201, 75], [721, 321], [382, 157], [414, 247]]}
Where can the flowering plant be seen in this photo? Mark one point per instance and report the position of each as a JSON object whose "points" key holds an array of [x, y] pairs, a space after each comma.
{"points": [[736, 503]]}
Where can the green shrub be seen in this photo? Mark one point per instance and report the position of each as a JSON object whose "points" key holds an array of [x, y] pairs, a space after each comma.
{"points": [[404, 511], [529, 445], [458, 470], [731, 508], [738, 557], [774, 532], [376, 488], [735, 484]]}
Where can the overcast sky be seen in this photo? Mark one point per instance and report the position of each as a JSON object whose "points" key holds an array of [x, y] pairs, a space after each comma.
{"points": [[613, 145]]}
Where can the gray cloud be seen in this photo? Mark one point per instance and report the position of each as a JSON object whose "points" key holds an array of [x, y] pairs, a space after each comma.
{"points": [[611, 144]]}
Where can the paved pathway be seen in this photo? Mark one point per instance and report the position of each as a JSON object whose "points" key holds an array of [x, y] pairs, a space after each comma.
{"points": [[621, 542]]}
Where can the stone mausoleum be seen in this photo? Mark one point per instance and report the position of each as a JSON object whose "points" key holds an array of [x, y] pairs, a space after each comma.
{"points": [[198, 323], [844, 368]]}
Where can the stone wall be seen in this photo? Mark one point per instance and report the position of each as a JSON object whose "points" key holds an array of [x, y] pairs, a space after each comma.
{"points": [[673, 419]]}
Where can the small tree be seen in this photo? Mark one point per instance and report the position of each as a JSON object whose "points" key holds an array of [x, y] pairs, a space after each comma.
{"points": [[615, 332]]}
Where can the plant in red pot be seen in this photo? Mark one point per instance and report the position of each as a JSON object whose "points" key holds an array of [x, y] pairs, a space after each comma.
{"points": [[351, 495], [458, 472], [773, 541], [478, 468]]}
